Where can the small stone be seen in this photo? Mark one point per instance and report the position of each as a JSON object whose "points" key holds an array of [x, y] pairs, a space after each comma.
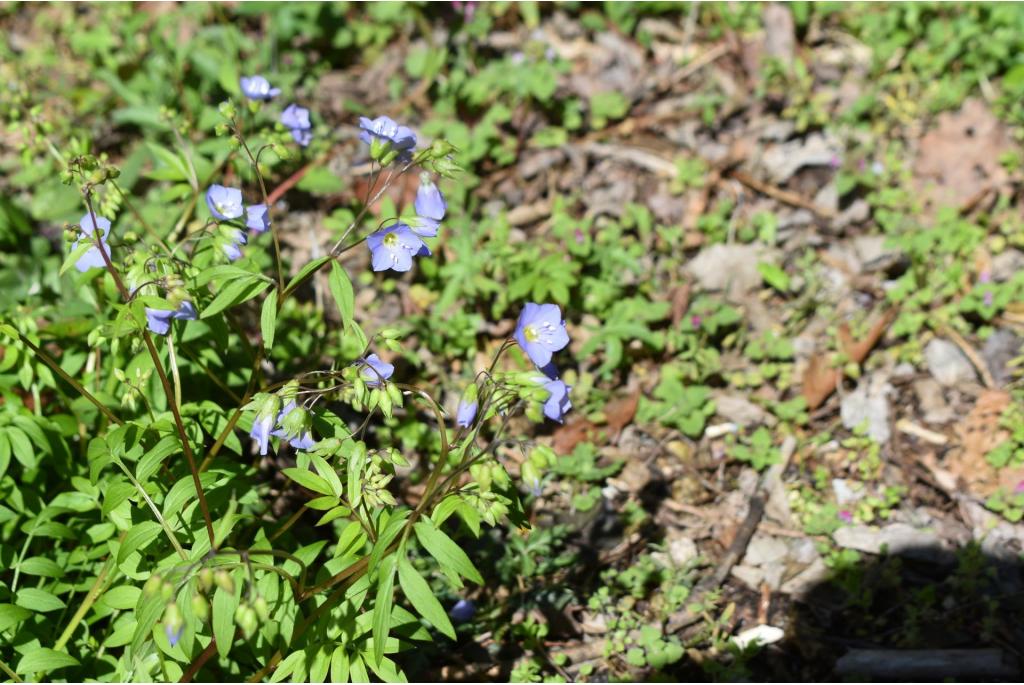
{"points": [[1007, 264], [739, 410], [751, 576], [729, 267], [806, 581], [896, 538], [931, 401], [868, 403], [844, 493], [947, 364], [682, 550], [765, 550], [1000, 349]]}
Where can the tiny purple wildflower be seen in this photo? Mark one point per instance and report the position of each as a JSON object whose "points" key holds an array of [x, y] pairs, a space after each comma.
{"points": [[257, 218], [260, 432], [541, 332], [258, 88], [302, 136], [294, 117], [225, 203], [394, 247], [92, 258], [375, 370], [558, 402], [696, 321], [988, 298], [159, 320], [1019, 489], [846, 516]]}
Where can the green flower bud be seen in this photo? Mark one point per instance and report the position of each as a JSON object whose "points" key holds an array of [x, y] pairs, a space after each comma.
{"points": [[206, 579], [246, 619], [227, 109], [153, 585], [224, 581], [200, 607], [167, 591], [262, 608]]}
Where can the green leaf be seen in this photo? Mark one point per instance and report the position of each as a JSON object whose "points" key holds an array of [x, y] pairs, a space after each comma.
{"points": [[39, 601], [328, 474], [11, 615], [41, 566], [339, 665], [224, 605], [268, 320], [306, 271], [140, 535], [447, 553], [44, 660], [310, 480], [382, 607], [234, 293], [418, 592], [344, 296], [774, 276]]}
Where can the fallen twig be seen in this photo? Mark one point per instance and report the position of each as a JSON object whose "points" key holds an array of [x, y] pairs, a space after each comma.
{"points": [[926, 664]]}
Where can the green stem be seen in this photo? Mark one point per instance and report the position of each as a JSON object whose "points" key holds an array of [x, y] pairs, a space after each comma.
{"points": [[90, 599]]}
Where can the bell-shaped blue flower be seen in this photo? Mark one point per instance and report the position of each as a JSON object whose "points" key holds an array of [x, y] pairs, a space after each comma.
{"points": [[258, 88], [92, 258], [267, 407], [159, 320], [257, 218], [375, 370], [294, 117], [294, 428], [557, 404], [541, 332], [225, 203], [387, 138]]}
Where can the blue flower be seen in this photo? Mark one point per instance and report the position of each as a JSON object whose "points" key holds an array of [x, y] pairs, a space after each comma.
{"points": [[394, 247], [430, 208], [173, 635], [296, 119], [558, 402], [375, 370], [466, 413], [462, 611], [224, 203], [387, 130], [231, 241], [159, 320], [92, 258], [257, 218], [258, 88], [541, 332], [300, 439]]}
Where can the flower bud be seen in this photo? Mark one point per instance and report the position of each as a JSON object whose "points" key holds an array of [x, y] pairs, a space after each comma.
{"points": [[224, 581], [155, 582], [206, 579], [173, 623], [200, 607], [262, 608], [167, 590], [246, 619], [227, 109], [531, 478]]}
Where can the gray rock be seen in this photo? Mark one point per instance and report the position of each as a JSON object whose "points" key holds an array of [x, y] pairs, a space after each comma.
{"points": [[782, 161], [1000, 348], [897, 538], [804, 582], [1006, 264], [931, 401], [682, 550], [947, 364], [750, 575], [765, 550], [870, 403], [739, 410], [729, 267]]}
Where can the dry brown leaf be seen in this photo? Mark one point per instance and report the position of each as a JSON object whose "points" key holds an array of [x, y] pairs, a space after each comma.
{"points": [[979, 434], [620, 412], [820, 380], [567, 436]]}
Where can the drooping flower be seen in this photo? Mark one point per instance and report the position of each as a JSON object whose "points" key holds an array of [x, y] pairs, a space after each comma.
{"points": [[258, 88], [294, 427], [384, 135], [173, 636], [557, 404], [394, 247], [541, 332], [231, 241], [466, 413], [225, 203], [430, 208], [296, 120], [462, 611], [257, 218], [375, 370], [267, 407], [159, 320], [92, 258]]}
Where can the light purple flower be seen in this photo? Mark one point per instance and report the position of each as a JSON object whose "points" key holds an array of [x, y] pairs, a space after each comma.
{"points": [[92, 258], [394, 247], [260, 432], [386, 130], [225, 203], [301, 441], [558, 402], [465, 414], [462, 611], [846, 516], [159, 320], [541, 332], [375, 370], [430, 203], [232, 242], [302, 136], [258, 88], [173, 635], [294, 117], [257, 218]]}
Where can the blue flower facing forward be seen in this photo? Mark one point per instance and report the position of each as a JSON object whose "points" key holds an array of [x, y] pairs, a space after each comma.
{"points": [[394, 247], [159, 320], [541, 332], [375, 370], [296, 120], [558, 403], [257, 218], [225, 203], [384, 136], [430, 208], [92, 258], [258, 88]]}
